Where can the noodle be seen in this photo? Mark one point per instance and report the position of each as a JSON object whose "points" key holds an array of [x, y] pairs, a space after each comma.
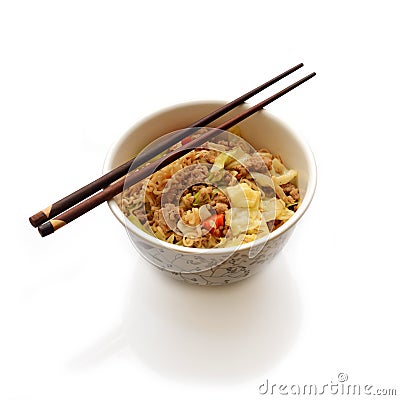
{"points": [[222, 195]]}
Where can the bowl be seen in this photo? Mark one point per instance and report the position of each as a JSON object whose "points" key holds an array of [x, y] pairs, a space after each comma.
{"points": [[217, 266]]}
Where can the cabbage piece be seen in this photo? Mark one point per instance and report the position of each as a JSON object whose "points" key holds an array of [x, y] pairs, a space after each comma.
{"points": [[269, 209], [284, 213], [262, 179], [235, 241], [286, 177], [276, 209], [238, 154], [224, 158], [243, 220], [277, 167], [204, 212], [242, 195], [187, 230], [280, 193], [281, 174], [220, 161]]}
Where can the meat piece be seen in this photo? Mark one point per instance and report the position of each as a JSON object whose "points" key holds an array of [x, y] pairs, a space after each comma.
{"points": [[292, 190], [220, 198], [141, 215], [242, 171], [295, 194], [171, 216], [267, 161], [182, 180], [255, 163], [287, 187], [220, 208], [259, 162], [167, 217]]}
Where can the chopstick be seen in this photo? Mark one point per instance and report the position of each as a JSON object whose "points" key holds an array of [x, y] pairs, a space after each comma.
{"points": [[110, 191], [105, 180]]}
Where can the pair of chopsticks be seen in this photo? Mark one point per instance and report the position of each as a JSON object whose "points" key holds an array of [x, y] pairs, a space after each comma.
{"points": [[85, 199]]}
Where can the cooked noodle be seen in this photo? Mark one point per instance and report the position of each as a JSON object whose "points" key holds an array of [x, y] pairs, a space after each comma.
{"points": [[222, 195]]}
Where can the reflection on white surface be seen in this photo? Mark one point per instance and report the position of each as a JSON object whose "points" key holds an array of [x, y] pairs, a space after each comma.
{"points": [[205, 334]]}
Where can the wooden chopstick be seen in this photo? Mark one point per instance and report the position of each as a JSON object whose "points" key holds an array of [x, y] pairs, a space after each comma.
{"points": [[105, 180], [109, 192]]}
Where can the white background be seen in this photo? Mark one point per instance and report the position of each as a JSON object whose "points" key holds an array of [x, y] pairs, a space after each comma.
{"points": [[82, 316]]}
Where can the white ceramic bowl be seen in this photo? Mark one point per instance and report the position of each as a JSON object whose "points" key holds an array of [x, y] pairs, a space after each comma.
{"points": [[216, 266]]}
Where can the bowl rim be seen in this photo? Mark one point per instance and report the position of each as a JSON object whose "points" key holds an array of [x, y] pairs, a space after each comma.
{"points": [[131, 228]]}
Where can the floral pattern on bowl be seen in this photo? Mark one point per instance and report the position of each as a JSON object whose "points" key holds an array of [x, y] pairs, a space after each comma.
{"points": [[211, 269]]}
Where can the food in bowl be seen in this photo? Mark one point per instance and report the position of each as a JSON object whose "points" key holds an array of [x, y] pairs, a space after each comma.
{"points": [[223, 194], [217, 266]]}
